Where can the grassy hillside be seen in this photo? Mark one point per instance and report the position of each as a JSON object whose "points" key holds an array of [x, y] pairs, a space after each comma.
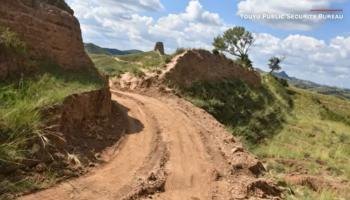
{"points": [[254, 114], [293, 131], [314, 140], [94, 49], [309, 85], [133, 63]]}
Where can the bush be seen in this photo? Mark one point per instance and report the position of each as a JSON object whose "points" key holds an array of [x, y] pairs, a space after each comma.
{"points": [[216, 52], [167, 59], [10, 41], [282, 81]]}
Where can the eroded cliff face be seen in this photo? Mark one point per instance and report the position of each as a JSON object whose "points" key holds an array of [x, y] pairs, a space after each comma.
{"points": [[77, 109], [85, 124], [48, 28]]}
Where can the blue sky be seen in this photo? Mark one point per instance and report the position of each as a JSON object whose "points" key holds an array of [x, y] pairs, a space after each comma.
{"points": [[316, 50]]}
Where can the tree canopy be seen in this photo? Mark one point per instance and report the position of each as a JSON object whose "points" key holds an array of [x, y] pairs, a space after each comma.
{"points": [[274, 63], [237, 42]]}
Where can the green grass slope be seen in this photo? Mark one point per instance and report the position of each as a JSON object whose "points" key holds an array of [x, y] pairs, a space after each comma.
{"points": [[94, 49], [315, 139], [294, 131], [254, 114]]}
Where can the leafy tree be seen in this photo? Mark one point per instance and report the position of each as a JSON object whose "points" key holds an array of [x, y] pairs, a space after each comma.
{"points": [[274, 63], [235, 41]]}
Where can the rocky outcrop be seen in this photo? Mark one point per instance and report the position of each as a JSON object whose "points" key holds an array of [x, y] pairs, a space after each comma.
{"points": [[159, 47], [48, 28], [201, 65]]}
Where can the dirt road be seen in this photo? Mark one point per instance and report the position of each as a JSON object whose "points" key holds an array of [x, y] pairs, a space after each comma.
{"points": [[174, 151]]}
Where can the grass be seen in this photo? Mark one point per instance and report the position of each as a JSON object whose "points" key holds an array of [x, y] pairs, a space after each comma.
{"points": [[315, 137], [23, 100], [109, 65], [22, 104], [254, 114], [316, 133], [133, 63], [10, 42], [307, 194]]}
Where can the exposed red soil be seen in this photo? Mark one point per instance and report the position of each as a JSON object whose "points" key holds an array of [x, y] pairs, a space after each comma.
{"points": [[174, 150]]}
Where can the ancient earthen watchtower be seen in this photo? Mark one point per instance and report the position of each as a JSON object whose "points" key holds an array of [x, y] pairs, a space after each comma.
{"points": [[159, 47]]}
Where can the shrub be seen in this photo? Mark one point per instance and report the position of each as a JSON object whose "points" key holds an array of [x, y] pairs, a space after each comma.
{"points": [[167, 59], [216, 52], [9, 40]]}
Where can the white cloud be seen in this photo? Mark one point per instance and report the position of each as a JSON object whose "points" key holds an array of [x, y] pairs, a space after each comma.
{"points": [[122, 20], [260, 7], [306, 57], [195, 27]]}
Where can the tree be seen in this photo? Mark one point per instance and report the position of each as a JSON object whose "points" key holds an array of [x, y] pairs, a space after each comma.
{"points": [[274, 63], [237, 42]]}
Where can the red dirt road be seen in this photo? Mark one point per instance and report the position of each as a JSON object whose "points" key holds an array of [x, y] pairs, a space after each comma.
{"points": [[174, 151]]}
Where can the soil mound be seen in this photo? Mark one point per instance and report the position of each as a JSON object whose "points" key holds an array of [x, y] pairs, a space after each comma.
{"points": [[201, 65], [190, 67]]}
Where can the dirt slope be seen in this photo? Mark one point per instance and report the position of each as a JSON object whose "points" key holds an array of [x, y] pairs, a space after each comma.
{"points": [[173, 151]]}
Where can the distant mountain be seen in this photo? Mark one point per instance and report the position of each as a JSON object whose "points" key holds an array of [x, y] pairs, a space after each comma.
{"points": [[323, 89], [94, 49]]}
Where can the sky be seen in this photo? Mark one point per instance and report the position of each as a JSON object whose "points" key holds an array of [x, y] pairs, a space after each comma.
{"points": [[314, 49]]}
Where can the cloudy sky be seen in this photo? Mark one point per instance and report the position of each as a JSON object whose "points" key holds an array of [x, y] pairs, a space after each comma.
{"points": [[315, 49]]}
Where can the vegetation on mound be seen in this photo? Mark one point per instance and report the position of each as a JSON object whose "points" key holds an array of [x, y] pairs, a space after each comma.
{"points": [[251, 113], [133, 63], [21, 119], [9, 41]]}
